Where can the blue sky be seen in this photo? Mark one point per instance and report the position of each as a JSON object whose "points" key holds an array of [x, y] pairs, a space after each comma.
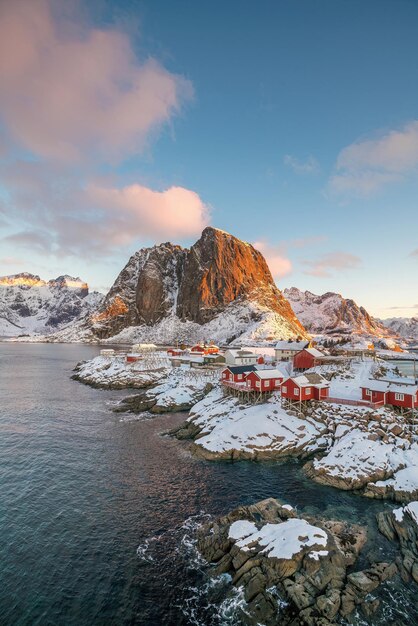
{"points": [[290, 124]]}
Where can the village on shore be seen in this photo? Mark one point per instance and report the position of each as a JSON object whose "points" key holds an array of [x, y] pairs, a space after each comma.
{"points": [[347, 414], [350, 415], [294, 369]]}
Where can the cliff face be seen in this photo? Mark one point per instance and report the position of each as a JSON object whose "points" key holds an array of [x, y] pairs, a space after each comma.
{"points": [[220, 269], [331, 314], [195, 285]]}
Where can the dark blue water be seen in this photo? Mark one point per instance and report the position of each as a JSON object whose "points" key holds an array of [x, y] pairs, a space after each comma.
{"points": [[98, 510]]}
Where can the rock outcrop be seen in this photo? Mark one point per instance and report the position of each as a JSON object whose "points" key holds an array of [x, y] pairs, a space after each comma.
{"points": [[402, 525], [293, 569], [217, 289]]}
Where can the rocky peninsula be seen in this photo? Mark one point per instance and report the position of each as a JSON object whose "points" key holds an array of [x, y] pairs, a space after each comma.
{"points": [[300, 568]]}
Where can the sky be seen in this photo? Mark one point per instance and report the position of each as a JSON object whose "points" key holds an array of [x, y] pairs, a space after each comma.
{"points": [[291, 124]]}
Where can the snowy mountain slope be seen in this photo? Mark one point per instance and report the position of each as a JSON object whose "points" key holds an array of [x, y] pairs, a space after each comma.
{"points": [[220, 289], [30, 305], [331, 314], [405, 327]]}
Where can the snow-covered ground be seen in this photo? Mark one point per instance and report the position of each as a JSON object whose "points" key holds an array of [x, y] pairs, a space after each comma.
{"points": [[262, 430], [355, 447], [114, 372], [170, 388]]}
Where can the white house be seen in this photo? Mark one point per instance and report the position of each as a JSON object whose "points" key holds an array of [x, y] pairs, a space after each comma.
{"points": [[243, 356], [285, 350]]}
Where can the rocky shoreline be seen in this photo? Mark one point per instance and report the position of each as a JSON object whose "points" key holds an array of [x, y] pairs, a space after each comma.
{"points": [[368, 451], [298, 568]]}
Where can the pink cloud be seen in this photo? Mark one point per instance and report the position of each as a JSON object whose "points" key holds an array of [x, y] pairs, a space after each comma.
{"points": [[331, 263], [365, 166], [98, 219], [278, 263], [136, 210], [66, 90]]}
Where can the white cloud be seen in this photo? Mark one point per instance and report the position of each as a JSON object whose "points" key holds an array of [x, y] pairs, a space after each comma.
{"points": [[137, 211], [309, 166], [366, 166]]}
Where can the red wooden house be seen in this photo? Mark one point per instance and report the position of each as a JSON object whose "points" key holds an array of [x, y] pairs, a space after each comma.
{"points": [[264, 380], [307, 358], [197, 349], [395, 394], [236, 373], [304, 388], [175, 352]]}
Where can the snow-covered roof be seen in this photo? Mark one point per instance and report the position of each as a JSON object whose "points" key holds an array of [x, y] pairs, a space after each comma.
{"points": [[267, 374], [309, 380], [243, 352], [314, 352], [382, 385], [291, 345]]}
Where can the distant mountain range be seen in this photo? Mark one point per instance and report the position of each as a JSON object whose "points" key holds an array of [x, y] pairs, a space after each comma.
{"points": [[220, 289], [30, 305], [405, 327], [334, 316]]}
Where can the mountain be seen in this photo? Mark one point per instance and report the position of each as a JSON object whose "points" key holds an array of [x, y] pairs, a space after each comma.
{"points": [[405, 327], [30, 305], [334, 316], [220, 289]]}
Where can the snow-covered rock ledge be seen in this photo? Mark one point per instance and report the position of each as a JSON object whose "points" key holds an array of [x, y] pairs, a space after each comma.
{"points": [[166, 389], [114, 373], [292, 568], [354, 448], [224, 429]]}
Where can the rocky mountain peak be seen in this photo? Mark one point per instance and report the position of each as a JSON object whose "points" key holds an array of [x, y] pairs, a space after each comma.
{"points": [[193, 285], [332, 314], [69, 282], [24, 279]]}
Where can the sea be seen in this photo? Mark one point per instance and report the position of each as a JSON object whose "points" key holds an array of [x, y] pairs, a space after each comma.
{"points": [[99, 510]]}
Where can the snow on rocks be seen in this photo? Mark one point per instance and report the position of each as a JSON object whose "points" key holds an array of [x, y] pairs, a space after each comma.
{"points": [[355, 460], [404, 483], [402, 525], [179, 391], [230, 430], [288, 564], [115, 373], [281, 541]]}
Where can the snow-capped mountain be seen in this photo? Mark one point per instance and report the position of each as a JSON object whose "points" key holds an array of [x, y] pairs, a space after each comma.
{"points": [[405, 327], [220, 289], [334, 316], [30, 305]]}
